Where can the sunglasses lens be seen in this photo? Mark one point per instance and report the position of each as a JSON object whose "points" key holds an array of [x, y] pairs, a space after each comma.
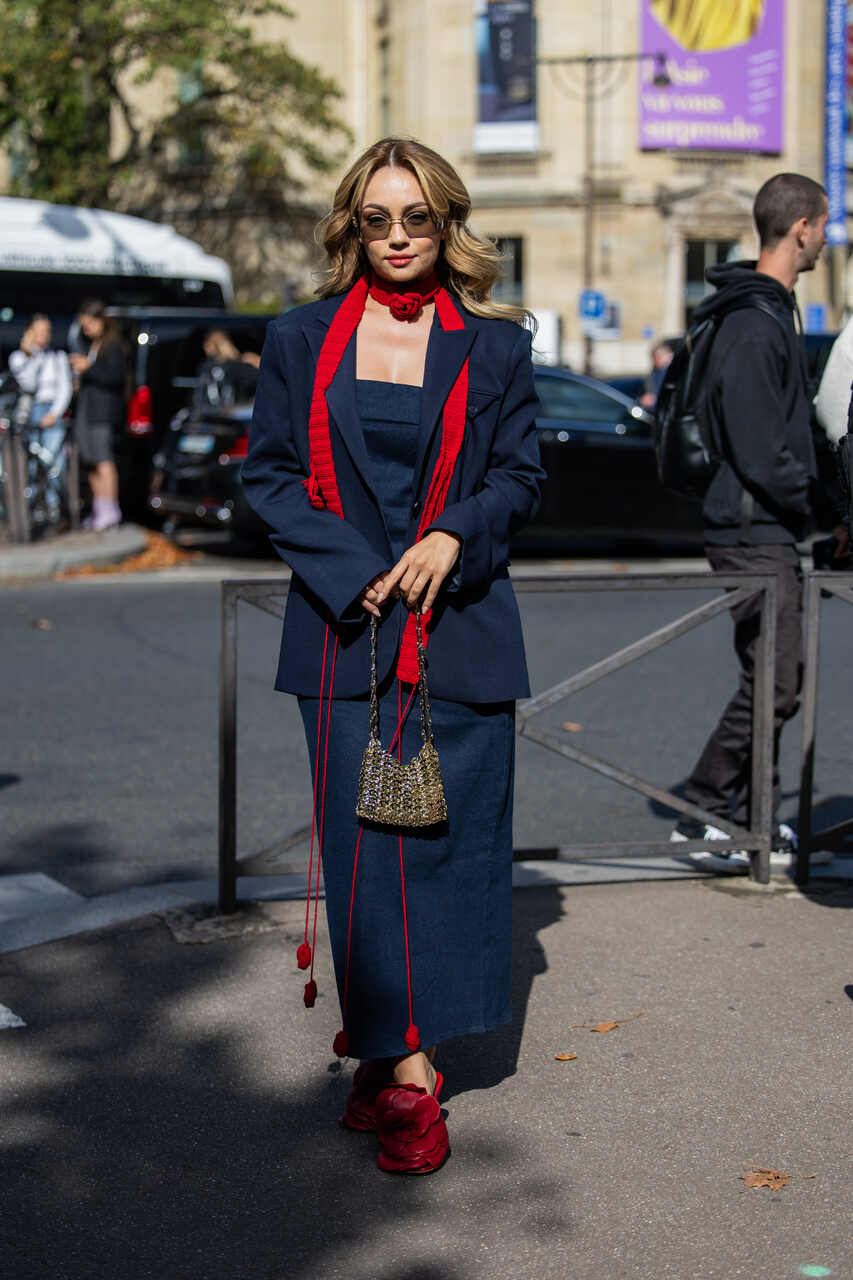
{"points": [[420, 223], [378, 226]]}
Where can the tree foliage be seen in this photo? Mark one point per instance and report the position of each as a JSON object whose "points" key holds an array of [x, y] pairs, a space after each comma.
{"points": [[161, 107]]}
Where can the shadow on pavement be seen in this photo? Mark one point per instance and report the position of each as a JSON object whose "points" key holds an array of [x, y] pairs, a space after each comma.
{"points": [[166, 1116], [481, 1062]]}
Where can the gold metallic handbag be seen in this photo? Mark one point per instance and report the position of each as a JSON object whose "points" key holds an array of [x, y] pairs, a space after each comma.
{"points": [[389, 791]]}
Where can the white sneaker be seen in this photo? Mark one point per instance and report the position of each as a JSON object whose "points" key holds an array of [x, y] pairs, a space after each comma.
{"points": [[732, 862], [784, 856]]}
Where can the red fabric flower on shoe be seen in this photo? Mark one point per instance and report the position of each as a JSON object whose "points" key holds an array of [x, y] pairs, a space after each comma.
{"points": [[411, 1130]]}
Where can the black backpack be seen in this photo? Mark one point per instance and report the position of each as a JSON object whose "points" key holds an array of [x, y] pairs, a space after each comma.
{"points": [[685, 457]]}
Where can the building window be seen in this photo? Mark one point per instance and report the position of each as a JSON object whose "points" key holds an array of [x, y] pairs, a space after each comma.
{"points": [[192, 151], [385, 86], [700, 255], [510, 286]]}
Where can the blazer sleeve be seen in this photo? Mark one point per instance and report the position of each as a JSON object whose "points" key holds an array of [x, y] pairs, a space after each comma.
{"points": [[509, 495], [329, 554]]}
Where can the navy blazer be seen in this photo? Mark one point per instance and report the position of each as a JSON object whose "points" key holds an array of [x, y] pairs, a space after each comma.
{"points": [[475, 651]]}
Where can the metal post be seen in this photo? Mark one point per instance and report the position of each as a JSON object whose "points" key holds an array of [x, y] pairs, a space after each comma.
{"points": [[6, 469], [228, 751], [763, 715], [17, 497], [72, 481], [588, 196], [810, 677]]}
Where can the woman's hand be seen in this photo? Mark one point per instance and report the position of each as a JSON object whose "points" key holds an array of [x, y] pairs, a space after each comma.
{"points": [[418, 574], [79, 362], [370, 598]]}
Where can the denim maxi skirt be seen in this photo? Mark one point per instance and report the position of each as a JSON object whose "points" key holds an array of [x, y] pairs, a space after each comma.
{"points": [[458, 877]]}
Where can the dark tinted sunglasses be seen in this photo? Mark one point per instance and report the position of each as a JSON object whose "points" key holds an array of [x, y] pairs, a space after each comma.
{"points": [[374, 225]]}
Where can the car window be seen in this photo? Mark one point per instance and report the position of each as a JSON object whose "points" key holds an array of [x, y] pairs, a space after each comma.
{"points": [[565, 398]]}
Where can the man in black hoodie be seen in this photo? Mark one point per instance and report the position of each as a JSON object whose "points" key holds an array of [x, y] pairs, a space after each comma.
{"points": [[759, 503]]}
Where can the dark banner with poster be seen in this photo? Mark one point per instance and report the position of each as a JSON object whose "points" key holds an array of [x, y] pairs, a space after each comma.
{"points": [[506, 76]]}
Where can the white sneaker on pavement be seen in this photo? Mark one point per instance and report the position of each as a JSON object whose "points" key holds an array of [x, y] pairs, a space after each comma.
{"points": [[732, 862], [784, 856]]}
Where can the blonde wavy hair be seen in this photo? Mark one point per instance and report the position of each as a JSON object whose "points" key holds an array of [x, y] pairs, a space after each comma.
{"points": [[468, 264]]}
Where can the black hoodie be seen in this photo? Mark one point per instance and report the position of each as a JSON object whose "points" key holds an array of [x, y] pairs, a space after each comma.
{"points": [[758, 414]]}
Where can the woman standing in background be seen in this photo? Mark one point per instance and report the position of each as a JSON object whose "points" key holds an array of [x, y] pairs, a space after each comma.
{"points": [[100, 413]]}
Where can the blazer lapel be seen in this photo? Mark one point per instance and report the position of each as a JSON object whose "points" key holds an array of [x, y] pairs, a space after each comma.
{"points": [[446, 354]]}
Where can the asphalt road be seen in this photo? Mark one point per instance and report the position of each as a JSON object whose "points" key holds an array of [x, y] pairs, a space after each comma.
{"points": [[108, 775]]}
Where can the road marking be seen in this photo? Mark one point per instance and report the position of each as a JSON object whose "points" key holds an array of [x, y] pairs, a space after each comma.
{"points": [[9, 1019]]}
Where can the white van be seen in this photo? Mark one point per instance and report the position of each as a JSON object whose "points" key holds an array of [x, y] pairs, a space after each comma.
{"points": [[53, 256]]}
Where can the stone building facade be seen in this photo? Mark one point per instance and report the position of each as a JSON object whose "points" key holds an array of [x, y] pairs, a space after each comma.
{"points": [[657, 217]]}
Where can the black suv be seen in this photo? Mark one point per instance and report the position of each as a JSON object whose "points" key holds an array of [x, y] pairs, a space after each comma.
{"points": [[164, 346]]}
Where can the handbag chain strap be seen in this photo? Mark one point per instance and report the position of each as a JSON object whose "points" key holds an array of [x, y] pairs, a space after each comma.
{"points": [[423, 691]]}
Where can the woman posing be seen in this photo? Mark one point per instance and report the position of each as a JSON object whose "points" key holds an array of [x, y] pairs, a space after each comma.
{"points": [[393, 454]]}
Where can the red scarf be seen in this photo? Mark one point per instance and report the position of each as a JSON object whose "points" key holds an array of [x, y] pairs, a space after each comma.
{"points": [[321, 484]]}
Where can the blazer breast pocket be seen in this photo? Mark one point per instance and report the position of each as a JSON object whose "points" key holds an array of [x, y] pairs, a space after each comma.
{"points": [[480, 400]]}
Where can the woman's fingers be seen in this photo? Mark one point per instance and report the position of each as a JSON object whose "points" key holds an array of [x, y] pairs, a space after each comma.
{"points": [[419, 573], [390, 580], [412, 582], [371, 597], [432, 592]]}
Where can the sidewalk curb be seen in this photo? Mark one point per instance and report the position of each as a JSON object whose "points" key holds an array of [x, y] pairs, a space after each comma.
{"points": [[85, 914], [70, 550]]}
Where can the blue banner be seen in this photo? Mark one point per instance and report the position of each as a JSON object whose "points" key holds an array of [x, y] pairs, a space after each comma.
{"points": [[834, 126]]}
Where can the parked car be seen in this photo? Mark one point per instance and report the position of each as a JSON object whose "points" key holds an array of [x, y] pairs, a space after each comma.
{"points": [[597, 448], [196, 475], [633, 385]]}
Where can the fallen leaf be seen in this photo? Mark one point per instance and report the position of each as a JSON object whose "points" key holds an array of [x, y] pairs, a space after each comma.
{"points": [[565, 1057], [42, 624], [604, 1027], [571, 726], [771, 1178]]}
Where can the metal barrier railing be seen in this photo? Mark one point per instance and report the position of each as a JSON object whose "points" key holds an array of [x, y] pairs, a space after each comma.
{"points": [[269, 595], [839, 586]]}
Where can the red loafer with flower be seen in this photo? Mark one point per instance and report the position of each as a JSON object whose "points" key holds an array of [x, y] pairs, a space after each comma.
{"points": [[411, 1129], [367, 1083]]}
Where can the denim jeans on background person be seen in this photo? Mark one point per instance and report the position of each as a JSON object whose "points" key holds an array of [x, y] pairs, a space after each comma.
{"points": [[720, 782], [50, 439]]}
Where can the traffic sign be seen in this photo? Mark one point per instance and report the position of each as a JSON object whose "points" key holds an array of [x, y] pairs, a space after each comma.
{"points": [[591, 304]]}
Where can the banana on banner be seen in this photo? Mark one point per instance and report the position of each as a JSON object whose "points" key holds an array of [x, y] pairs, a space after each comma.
{"points": [[703, 25]]}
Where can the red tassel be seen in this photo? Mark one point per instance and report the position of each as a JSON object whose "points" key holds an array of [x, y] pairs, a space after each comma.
{"points": [[303, 955], [413, 1038], [340, 1044], [310, 994], [312, 487]]}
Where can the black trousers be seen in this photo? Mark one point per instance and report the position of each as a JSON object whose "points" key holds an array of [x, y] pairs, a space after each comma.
{"points": [[720, 782]]}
